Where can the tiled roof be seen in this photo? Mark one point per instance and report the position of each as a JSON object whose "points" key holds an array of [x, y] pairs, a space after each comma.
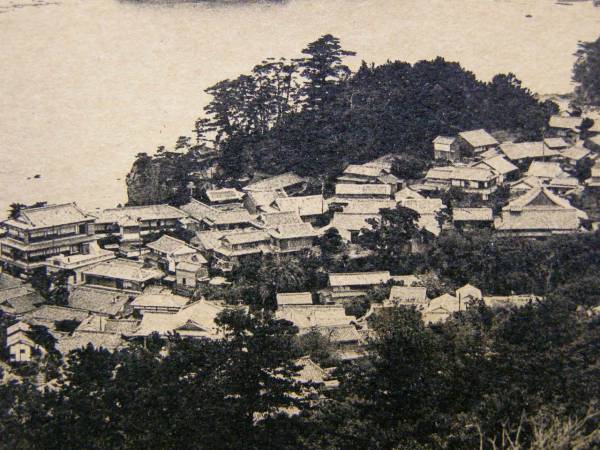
{"points": [[363, 189], [194, 319], [363, 170], [170, 245], [14, 292], [424, 205], [51, 313], [407, 193], [265, 198], [338, 334], [556, 143], [98, 300], [199, 210], [275, 183], [445, 140], [542, 169], [526, 183], [540, 209], [358, 278], [223, 195], [472, 214], [271, 220], [246, 237], [565, 122], [310, 205], [522, 150], [460, 173], [8, 281], [310, 372], [353, 222], [294, 298], [294, 230], [368, 206], [408, 294], [575, 153], [478, 138], [498, 164], [102, 324], [81, 339], [122, 269], [135, 213], [564, 182], [22, 304], [166, 300], [50, 216], [307, 316], [540, 220]]}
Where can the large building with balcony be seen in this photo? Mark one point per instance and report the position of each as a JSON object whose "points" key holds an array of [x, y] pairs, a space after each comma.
{"points": [[37, 234]]}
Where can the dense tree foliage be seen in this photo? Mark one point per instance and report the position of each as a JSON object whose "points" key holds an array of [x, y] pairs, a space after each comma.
{"points": [[586, 73], [313, 116]]}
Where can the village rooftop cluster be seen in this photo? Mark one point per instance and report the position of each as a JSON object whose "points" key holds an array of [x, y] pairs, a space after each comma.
{"points": [[130, 277]]}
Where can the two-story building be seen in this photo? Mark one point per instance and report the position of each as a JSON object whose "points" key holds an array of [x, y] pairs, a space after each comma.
{"points": [[473, 180], [446, 148], [134, 225], [37, 234]]}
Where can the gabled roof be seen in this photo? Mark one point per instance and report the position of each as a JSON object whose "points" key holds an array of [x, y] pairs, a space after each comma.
{"points": [[522, 150], [124, 269], [363, 189], [358, 278], [195, 320], [264, 199], [563, 182], [526, 183], [170, 245], [310, 205], [498, 164], [224, 195], [478, 138], [542, 169], [407, 193], [540, 199], [565, 122], [134, 214], [275, 183], [472, 214], [50, 216], [540, 209], [469, 290], [294, 298]]}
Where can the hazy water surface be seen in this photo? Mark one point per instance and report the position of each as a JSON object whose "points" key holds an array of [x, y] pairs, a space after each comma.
{"points": [[87, 84]]}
